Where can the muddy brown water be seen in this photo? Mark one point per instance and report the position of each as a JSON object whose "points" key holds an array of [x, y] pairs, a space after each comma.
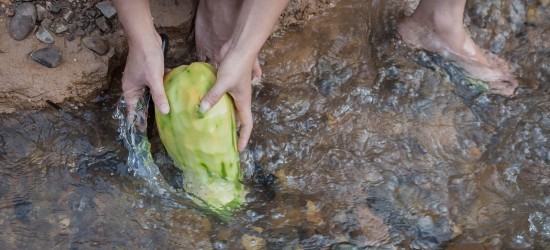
{"points": [[359, 142]]}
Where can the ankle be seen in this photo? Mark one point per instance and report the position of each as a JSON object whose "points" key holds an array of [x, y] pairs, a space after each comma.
{"points": [[439, 22]]}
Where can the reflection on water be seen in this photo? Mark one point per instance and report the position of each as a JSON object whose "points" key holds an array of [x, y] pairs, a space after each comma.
{"points": [[359, 142]]}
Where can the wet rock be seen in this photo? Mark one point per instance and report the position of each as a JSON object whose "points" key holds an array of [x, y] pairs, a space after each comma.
{"points": [[499, 42], [96, 44], [65, 222], [107, 8], [49, 56], [103, 24], [68, 16], [22, 23], [46, 23], [44, 35], [517, 16], [53, 7], [251, 242]]}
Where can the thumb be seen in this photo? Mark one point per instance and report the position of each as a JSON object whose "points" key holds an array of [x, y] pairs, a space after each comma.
{"points": [[211, 98], [159, 97]]}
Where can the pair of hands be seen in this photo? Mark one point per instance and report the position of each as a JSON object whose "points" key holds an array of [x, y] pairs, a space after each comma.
{"points": [[145, 68]]}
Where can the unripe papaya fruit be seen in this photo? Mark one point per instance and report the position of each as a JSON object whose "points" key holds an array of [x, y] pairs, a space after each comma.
{"points": [[202, 145]]}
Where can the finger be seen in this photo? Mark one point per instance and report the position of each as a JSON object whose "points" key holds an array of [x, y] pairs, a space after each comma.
{"points": [[212, 97], [159, 96], [237, 117], [245, 114], [131, 97]]}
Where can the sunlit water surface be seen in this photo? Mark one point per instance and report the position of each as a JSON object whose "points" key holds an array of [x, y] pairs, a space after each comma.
{"points": [[359, 142]]}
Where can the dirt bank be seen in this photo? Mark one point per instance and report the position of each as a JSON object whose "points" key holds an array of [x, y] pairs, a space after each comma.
{"points": [[83, 72]]}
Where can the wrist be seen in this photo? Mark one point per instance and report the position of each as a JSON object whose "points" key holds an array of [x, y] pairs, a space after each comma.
{"points": [[144, 41], [243, 49]]}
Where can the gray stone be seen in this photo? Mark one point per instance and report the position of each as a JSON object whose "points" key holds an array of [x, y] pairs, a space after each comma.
{"points": [[96, 44], [91, 14], [90, 28], [68, 16], [72, 28], [49, 56], [42, 13], [70, 37], [60, 28], [80, 32], [103, 24], [22, 23], [82, 23], [44, 35], [53, 7], [46, 23], [107, 8]]}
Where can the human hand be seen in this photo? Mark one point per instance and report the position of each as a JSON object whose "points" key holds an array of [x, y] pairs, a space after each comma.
{"points": [[237, 71], [145, 68]]}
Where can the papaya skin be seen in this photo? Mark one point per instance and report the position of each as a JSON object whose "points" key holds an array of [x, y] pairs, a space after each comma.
{"points": [[202, 145]]}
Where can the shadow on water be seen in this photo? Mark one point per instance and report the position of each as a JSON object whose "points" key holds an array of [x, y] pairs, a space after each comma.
{"points": [[359, 142]]}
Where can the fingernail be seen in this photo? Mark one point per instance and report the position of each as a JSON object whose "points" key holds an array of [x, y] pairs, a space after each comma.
{"points": [[205, 106], [164, 109]]}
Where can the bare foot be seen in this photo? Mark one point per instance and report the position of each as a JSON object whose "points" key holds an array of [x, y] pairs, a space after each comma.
{"points": [[456, 45]]}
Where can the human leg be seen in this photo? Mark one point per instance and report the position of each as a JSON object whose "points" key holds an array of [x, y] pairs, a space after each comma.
{"points": [[438, 26], [214, 26]]}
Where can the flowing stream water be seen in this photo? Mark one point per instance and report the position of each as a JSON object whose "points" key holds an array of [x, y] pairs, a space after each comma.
{"points": [[360, 142]]}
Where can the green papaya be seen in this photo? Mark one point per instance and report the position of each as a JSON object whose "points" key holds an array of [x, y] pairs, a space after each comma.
{"points": [[202, 145]]}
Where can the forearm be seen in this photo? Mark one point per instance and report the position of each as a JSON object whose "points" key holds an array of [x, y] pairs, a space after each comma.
{"points": [[255, 24], [135, 17]]}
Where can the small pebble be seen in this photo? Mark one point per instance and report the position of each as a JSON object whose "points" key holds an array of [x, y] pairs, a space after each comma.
{"points": [[97, 32], [46, 23], [80, 32], [107, 8], [82, 23], [91, 14], [96, 44], [90, 28], [60, 28], [42, 13], [68, 16], [10, 11], [22, 23], [71, 28], [53, 7], [70, 37], [44, 35], [49, 56], [103, 24]]}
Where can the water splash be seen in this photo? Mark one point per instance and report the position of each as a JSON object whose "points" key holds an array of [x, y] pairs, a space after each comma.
{"points": [[133, 131]]}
